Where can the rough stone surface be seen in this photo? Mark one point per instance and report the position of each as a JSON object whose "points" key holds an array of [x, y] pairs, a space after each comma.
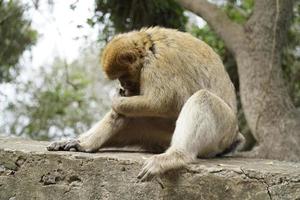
{"points": [[29, 171]]}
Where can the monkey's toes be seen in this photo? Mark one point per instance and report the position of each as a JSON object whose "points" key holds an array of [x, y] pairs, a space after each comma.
{"points": [[151, 168]]}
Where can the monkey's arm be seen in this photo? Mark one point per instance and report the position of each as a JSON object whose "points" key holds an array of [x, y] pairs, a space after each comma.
{"points": [[144, 106], [94, 138]]}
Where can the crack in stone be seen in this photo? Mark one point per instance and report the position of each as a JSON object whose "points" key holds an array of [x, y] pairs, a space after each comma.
{"points": [[160, 183], [261, 180]]}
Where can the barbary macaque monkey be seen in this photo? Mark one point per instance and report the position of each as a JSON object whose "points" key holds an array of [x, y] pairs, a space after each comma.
{"points": [[176, 97]]}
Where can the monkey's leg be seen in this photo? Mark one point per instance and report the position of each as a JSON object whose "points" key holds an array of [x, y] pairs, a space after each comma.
{"points": [[114, 130], [95, 137], [206, 126], [148, 133]]}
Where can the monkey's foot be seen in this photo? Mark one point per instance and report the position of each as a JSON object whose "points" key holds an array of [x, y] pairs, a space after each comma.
{"points": [[67, 145], [159, 164]]}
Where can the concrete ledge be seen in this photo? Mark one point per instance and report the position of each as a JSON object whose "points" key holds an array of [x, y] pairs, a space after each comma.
{"points": [[28, 171]]}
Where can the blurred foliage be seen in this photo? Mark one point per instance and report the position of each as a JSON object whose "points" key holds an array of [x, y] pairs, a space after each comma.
{"points": [[121, 16], [238, 10], [291, 57], [59, 101], [16, 36]]}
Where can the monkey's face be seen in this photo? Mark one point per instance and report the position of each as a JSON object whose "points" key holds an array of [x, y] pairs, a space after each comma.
{"points": [[130, 85], [123, 59]]}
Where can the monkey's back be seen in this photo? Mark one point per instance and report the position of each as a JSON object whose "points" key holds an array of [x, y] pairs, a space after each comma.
{"points": [[191, 64]]}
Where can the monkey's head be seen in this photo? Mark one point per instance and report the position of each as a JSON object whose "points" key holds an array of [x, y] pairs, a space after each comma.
{"points": [[123, 58]]}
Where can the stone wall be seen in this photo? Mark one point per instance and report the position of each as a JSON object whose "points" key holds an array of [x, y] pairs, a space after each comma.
{"points": [[28, 171]]}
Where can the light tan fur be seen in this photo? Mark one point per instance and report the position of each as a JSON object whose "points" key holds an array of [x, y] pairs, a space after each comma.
{"points": [[160, 69]]}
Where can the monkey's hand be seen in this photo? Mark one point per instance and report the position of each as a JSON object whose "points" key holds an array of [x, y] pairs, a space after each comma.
{"points": [[117, 104], [66, 145]]}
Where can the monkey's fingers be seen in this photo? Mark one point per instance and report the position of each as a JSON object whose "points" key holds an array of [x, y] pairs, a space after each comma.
{"points": [[73, 145], [56, 146], [73, 149]]}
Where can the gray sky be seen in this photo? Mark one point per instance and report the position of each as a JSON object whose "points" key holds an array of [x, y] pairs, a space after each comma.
{"points": [[58, 29]]}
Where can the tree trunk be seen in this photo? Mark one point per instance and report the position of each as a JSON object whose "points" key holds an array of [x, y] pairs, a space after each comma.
{"points": [[269, 111], [268, 108]]}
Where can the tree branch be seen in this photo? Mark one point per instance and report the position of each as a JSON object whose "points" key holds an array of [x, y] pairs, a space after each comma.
{"points": [[231, 32]]}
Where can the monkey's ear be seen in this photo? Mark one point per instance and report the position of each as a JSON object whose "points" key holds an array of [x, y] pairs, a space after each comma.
{"points": [[126, 58]]}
